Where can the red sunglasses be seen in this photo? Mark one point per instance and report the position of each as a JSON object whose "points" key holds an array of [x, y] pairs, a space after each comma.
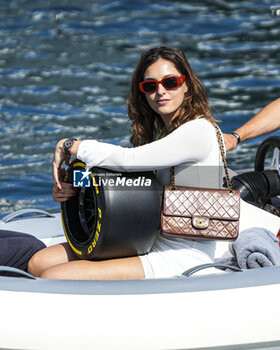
{"points": [[169, 83]]}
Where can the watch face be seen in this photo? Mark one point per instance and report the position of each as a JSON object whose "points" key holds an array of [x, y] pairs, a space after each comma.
{"points": [[68, 143]]}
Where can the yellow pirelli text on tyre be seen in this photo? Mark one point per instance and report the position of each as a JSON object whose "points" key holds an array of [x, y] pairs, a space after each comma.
{"points": [[96, 236]]}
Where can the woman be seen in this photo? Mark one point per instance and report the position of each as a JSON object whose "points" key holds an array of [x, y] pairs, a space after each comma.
{"points": [[165, 98]]}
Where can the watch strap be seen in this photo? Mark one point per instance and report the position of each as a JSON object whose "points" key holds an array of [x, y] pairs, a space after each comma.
{"points": [[237, 136]]}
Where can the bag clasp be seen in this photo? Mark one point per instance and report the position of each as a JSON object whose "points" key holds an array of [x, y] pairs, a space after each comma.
{"points": [[200, 222]]}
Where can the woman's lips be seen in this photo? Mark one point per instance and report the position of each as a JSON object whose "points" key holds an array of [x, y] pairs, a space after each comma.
{"points": [[163, 101]]}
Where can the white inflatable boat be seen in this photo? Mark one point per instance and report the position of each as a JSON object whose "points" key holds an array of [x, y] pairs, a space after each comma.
{"points": [[205, 308], [217, 310]]}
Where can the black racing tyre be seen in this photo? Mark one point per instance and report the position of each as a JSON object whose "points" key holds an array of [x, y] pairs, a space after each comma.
{"points": [[272, 141], [117, 217]]}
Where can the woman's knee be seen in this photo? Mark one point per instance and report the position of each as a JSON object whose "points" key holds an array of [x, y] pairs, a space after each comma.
{"points": [[46, 258], [50, 273], [36, 264]]}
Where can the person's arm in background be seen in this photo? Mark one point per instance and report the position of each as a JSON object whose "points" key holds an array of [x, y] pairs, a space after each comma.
{"points": [[264, 122]]}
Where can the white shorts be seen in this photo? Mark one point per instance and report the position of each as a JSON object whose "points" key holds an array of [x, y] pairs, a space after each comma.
{"points": [[172, 256]]}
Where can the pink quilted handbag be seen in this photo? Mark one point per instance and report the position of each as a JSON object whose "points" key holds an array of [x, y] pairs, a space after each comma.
{"points": [[201, 213]]}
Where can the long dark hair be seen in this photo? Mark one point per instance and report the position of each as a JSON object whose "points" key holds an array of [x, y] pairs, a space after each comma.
{"points": [[145, 123]]}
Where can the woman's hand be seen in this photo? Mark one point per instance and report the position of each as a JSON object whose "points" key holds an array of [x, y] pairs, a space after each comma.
{"points": [[67, 191], [58, 158]]}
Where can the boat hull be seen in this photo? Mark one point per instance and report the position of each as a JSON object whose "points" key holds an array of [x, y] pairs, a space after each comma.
{"points": [[232, 309], [217, 310]]}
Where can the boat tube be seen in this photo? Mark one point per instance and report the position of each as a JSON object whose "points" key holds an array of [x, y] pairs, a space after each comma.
{"points": [[270, 142], [257, 186], [262, 187]]}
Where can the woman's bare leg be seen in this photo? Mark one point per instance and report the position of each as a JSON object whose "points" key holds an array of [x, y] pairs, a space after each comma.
{"points": [[48, 257], [125, 268]]}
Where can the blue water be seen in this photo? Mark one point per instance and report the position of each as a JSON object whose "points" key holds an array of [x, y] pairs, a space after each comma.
{"points": [[65, 68]]}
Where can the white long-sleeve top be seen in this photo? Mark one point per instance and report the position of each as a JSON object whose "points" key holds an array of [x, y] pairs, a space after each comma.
{"points": [[193, 148]]}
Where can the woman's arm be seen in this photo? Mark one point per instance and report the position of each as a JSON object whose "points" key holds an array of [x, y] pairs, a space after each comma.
{"points": [[264, 122], [191, 142]]}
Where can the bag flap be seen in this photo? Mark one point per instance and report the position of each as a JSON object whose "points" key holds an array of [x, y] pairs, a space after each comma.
{"points": [[193, 201]]}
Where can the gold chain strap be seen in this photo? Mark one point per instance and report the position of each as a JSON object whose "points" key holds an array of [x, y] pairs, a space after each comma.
{"points": [[172, 175], [223, 155]]}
